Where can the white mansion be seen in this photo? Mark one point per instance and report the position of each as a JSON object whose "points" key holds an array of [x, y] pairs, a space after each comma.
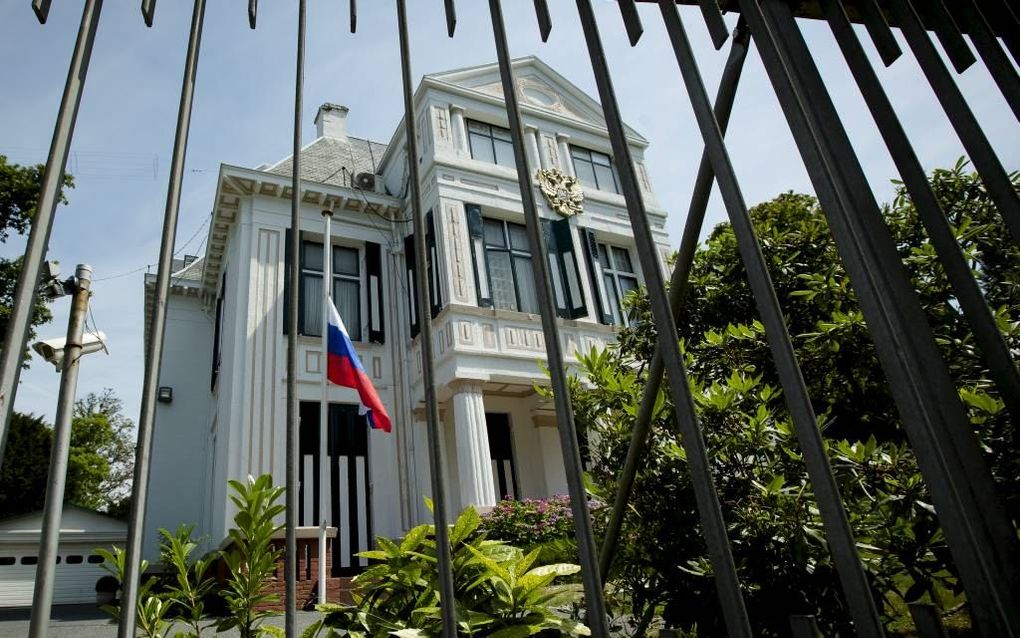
{"points": [[223, 402]]}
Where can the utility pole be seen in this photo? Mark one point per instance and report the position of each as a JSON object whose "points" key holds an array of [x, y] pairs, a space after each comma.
{"points": [[42, 599]]}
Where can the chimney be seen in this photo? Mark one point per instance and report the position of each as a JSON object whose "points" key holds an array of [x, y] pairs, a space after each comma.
{"points": [[331, 121]]}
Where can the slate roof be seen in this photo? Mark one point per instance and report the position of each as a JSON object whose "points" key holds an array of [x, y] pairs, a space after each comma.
{"points": [[330, 160]]}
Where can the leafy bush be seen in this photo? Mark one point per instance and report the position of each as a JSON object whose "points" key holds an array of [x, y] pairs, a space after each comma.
{"points": [[251, 559], [500, 590], [774, 527], [190, 582], [151, 610]]}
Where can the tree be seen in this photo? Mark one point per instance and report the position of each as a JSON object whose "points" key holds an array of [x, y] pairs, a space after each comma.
{"points": [[774, 528], [19, 195], [23, 473], [99, 464]]}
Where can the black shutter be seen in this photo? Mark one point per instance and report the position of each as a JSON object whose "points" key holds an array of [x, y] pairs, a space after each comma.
{"points": [[572, 290], [477, 237], [591, 250], [552, 252], [376, 313], [300, 264], [218, 332], [411, 269], [435, 285], [288, 262]]}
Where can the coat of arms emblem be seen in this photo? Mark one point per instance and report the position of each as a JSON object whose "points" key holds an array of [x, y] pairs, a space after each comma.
{"points": [[562, 192]]}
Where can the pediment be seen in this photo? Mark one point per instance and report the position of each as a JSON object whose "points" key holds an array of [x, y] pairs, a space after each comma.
{"points": [[538, 86]]}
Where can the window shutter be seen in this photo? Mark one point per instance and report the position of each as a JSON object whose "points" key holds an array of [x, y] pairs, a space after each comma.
{"points": [[598, 285], [474, 224], [552, 252], [300, 264], [435, 283], [288, 263], [376, 313], [412, 282], [574, 294]]}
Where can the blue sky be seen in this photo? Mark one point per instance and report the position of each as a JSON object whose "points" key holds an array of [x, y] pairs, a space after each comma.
{"points": [[244, 109]]}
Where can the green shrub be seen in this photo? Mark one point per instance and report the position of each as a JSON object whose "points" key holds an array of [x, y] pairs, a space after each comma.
{"points": [[251, 559], [501, 591]]}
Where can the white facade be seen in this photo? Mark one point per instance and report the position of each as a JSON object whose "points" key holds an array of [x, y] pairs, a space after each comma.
{"points": [[227, 311]]}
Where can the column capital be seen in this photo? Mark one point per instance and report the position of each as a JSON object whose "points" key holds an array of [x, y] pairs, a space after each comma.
{"points": [[562, 137], [456, 108], [458, 386]]}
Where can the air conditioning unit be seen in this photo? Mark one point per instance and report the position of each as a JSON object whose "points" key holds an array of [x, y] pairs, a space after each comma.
{"points": [[365, 181]]}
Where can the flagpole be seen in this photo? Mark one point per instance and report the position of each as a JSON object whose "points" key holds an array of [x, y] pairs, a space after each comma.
{"points": [[324, 458]]}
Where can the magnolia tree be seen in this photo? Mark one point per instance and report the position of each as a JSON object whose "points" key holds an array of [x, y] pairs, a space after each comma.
{"points": [[774, 526]]}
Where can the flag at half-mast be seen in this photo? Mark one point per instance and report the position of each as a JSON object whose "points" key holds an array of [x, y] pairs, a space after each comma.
{"points": [[344, 369]]}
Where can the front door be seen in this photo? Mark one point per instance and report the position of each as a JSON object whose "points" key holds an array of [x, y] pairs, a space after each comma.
{"points": [[501, 455], [347, 493]]}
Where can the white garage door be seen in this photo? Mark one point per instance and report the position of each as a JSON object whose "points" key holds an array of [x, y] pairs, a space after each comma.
{"points": [[78, 570]]}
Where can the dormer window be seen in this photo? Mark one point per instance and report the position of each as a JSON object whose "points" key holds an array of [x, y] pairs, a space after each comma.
{"points": [[490, 144], [595, 169]]}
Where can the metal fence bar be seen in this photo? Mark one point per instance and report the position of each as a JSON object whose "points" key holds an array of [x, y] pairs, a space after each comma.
{"points": [[1008, 24], [41, 9], [714, 21], [148, 11], [926, 620], [354, 16], [544, 19], [631, 20], [804, 627], [293, 431], [999, 186], [451, 20], [447, 601], [878, 28], [574, 470], [253, 9], [949, 35], [677, 291], [157, 330], [934, 420], [27, 287], [727, 583], [986, 332], [798, 401], [999, 66]]}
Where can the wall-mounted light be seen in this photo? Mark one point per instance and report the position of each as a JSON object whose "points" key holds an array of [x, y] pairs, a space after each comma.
{"points": [[165, 394]]}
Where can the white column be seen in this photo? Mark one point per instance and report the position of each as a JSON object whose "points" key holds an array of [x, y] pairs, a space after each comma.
{"points": [[563, 142], [474, 467], [531, 144], [460, 138]]}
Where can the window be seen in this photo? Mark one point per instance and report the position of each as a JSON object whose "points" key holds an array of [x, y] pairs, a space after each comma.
{"points": [[595, 169], [504, 268], [504, 275], [6, 560], [29, 560], [619, 279], [490, 144], [75, 559], [95, 559]]}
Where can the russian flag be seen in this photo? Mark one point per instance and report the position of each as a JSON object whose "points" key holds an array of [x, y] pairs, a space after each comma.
{"points": [[344, 369]]}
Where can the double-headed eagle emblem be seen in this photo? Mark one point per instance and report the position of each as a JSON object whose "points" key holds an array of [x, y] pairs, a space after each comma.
{"points": [[562, 191]]}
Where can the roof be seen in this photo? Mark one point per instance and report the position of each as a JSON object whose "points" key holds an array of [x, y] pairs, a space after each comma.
{"points": [[334, 161], [76, 523]]}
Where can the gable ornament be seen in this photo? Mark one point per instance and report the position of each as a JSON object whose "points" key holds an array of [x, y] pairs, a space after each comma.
{"points": [[562, 192]]}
